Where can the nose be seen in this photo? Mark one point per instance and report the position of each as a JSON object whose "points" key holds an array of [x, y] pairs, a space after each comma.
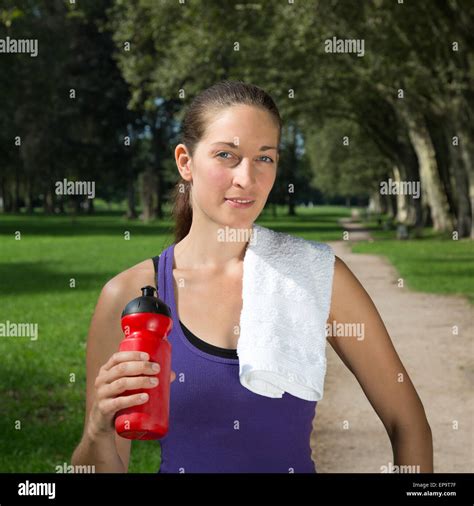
{"points": [[244, 174]]}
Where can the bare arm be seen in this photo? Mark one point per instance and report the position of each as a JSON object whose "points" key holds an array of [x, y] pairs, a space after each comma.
{"points": [[109, 373], [106, 451], [377, 367]]}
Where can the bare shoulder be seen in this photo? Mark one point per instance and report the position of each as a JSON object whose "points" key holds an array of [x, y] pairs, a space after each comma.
{"points": [[348, 294], [340, 267], [343, 276], [129, 281], [115, 295]]}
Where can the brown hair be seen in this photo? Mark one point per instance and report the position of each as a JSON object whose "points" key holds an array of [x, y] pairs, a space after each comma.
{"points": [[200, 112]]}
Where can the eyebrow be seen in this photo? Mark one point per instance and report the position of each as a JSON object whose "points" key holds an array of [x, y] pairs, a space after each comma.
{"points": [[232, 145]]}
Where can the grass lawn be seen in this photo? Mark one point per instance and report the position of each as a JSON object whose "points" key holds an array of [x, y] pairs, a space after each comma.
{"points": [[41, 409], [434, 263]]}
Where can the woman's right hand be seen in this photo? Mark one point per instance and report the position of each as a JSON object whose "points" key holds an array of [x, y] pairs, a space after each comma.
{"points": [[125, 370]]}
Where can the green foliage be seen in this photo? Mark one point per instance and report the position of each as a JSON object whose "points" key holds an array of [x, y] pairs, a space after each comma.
{"points": [[136, 66], [345, 161]]}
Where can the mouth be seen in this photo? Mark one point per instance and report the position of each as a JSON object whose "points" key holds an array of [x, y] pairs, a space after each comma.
{"points": [[240, 203]]}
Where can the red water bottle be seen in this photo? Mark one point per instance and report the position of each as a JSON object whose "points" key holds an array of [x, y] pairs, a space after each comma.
{"points": [[146, 323]]}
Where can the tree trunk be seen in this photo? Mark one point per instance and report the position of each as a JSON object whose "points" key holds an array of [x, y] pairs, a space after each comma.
{"points": [[3, 195], [291, 205], [76, 204], [147, 183], [395, 144], [158, 144], [390, 206], [429, 176], [89, 205], [401, 199], [392, 200], [16, 193], [467, 156], [410, 172], [131, 211], [48, 204], [159, 194], [383, 204], [461, 181], [375, 203], [7, 197], [440, 131], [292, 168], [29, 196]]}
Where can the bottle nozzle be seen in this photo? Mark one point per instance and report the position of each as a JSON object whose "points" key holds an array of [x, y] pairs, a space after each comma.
{"points": [[148, 302], [148, 291]]}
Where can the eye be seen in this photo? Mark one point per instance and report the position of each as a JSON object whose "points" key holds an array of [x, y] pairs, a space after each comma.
{"points": [[223, 153], [271, 161]]}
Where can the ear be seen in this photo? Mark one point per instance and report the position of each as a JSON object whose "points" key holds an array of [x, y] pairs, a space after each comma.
{"points": [[183, 162]]}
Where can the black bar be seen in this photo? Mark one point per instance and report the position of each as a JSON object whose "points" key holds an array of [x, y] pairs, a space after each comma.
{"points": [[239, 489]]}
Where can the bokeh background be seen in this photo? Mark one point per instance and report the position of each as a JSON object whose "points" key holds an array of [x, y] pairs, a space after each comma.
{"points": [[102, 102]]}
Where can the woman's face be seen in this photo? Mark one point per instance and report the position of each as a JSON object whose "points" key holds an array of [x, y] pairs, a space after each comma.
{"points": [[237, 159]]}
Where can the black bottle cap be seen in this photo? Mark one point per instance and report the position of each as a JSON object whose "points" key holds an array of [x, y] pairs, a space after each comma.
{"points": [[147, 303]]}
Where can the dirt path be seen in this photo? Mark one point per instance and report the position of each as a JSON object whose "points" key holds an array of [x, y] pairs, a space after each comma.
{"points": [[440, 364]]}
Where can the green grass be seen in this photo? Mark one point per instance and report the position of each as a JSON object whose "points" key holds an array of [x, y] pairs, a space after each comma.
{"points": [[41, 410], [433, 263], [35, 375]]}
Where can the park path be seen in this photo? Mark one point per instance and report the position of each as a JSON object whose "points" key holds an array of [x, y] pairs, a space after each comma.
{"points": [[440, 365]]}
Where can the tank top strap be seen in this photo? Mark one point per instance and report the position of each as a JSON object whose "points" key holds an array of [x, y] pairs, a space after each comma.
{"points": [[156, 262], [161, 271]]}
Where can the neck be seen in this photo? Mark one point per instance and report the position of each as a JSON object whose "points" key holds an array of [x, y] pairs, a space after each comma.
{"points": [[208, 246]]}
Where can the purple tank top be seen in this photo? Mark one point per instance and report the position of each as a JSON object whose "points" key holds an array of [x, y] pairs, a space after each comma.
{"points": [[218, 426]]}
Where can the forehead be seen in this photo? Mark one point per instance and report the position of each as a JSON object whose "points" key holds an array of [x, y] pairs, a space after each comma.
{"points": [[244, 124]]}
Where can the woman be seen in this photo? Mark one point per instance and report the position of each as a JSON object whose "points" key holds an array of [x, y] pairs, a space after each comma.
{"points": [[229, 153]]}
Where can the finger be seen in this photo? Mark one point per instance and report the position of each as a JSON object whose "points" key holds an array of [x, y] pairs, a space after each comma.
{"points": [[135, 368], [111, 406], [125, 356], [122, 384]]}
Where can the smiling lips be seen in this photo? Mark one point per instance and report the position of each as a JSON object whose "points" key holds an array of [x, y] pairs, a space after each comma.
{"points": [[241, 200], [239, 203]]}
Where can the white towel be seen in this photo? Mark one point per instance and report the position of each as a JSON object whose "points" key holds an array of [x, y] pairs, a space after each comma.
{"points": [[286, 295]]}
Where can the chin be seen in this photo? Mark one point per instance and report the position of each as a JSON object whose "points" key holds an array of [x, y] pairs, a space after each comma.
{"points": [[237, 222]]}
